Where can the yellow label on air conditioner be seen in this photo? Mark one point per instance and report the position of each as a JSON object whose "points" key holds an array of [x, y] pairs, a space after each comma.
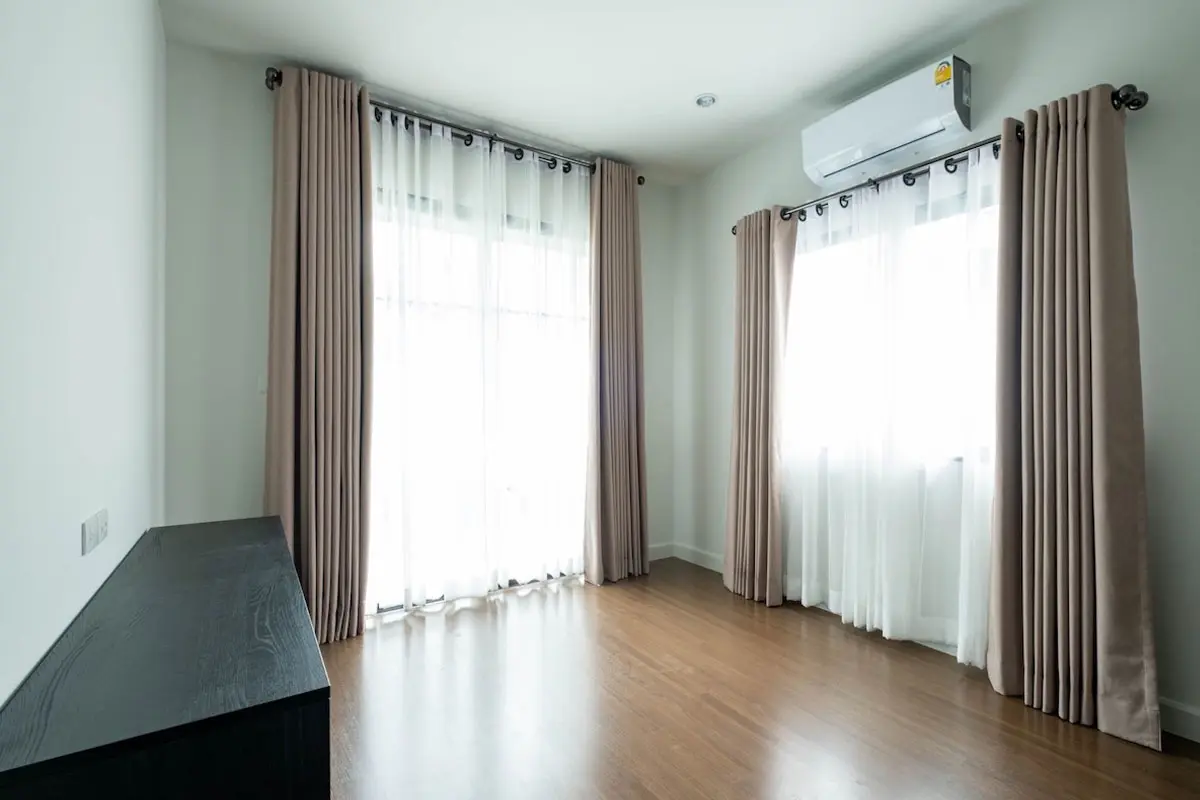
{"points": [[942, 73]]}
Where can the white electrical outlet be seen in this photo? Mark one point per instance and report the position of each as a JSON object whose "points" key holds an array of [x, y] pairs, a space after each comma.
{"points": [[94, 530]]}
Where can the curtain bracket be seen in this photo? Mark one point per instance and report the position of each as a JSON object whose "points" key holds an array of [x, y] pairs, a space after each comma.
{"points": [[1130, 97]]}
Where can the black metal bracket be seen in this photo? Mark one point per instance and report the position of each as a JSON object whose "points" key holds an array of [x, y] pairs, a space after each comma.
{"points": [[1130, 97], [274, 78]]}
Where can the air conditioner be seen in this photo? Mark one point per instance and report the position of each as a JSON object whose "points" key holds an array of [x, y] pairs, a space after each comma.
{"points": [[907, 121]]}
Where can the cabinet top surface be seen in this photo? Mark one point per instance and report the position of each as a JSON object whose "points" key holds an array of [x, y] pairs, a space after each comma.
{"points": [[196, 622]]}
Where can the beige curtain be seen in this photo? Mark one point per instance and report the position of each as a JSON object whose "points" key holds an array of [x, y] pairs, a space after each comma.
{"points": [[319, 367], [1070, 612], [766, 249], [616, 544]]}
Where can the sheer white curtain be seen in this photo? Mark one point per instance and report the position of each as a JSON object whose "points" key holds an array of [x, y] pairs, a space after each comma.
{"points": [[479, 448], [888, 407]]}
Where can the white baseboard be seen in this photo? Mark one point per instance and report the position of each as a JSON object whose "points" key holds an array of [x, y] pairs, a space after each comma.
{"points": [[692, 555], [701, 558], [1180, 719], [661, 551]]}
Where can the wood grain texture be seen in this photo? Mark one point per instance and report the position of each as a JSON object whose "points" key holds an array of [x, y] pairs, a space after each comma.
{"points": [[668, 686], [196, 623]]}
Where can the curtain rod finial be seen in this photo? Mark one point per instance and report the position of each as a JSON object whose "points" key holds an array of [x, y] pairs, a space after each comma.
{"points": [[1129, 97], [641, 180], [274, 78]]}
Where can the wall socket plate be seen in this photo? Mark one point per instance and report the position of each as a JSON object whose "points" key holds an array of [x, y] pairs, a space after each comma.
{"points": [[94, 530]]}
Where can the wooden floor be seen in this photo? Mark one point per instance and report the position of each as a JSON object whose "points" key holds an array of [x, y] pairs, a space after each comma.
{"points": [[670, 687]]}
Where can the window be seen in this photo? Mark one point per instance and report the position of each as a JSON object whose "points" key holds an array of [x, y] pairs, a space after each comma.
{"points": [[888, 407], [891, 324]]}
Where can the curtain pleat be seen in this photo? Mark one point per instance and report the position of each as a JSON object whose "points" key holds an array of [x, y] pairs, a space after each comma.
{"points": [[617, 543], [319, 365], [753, 531], [1070, 606]]}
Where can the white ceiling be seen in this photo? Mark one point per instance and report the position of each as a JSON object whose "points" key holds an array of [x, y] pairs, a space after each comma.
{"points": [[617, 77]]}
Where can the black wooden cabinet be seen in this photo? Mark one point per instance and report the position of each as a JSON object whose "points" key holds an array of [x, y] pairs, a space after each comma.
{"points": [[192, 673]]}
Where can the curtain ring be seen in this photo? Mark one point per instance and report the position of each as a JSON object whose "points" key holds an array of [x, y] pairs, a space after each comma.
{"points": [[785, 214], [408, 123], [844, 201], [909, 179], [566, 168], [519, 153], [951, 165], [469, 139], [378, 114], [996, 150], [821, 209], [552, 163], [803, 215]]}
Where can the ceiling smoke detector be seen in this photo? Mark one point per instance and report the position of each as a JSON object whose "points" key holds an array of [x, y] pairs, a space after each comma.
{"points": [[706, 100]]}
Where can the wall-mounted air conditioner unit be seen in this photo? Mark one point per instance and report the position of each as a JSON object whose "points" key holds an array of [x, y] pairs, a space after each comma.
{"points": [[907, 121]]}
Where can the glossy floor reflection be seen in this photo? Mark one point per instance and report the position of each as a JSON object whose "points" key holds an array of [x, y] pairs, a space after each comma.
{"points": [[670, 687]]}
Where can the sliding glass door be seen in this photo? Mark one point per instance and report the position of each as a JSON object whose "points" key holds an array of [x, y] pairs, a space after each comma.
{"points": [[481, 378]]}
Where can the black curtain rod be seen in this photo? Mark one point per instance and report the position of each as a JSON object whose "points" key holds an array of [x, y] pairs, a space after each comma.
{"points": [[274, 78], [468, 138], [909, 174], [1128, 96]]}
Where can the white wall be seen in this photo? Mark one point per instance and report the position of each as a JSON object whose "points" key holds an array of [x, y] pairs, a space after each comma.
{"points": [[81, 198], [1020, 61], [219, 121], [658, 208]]}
